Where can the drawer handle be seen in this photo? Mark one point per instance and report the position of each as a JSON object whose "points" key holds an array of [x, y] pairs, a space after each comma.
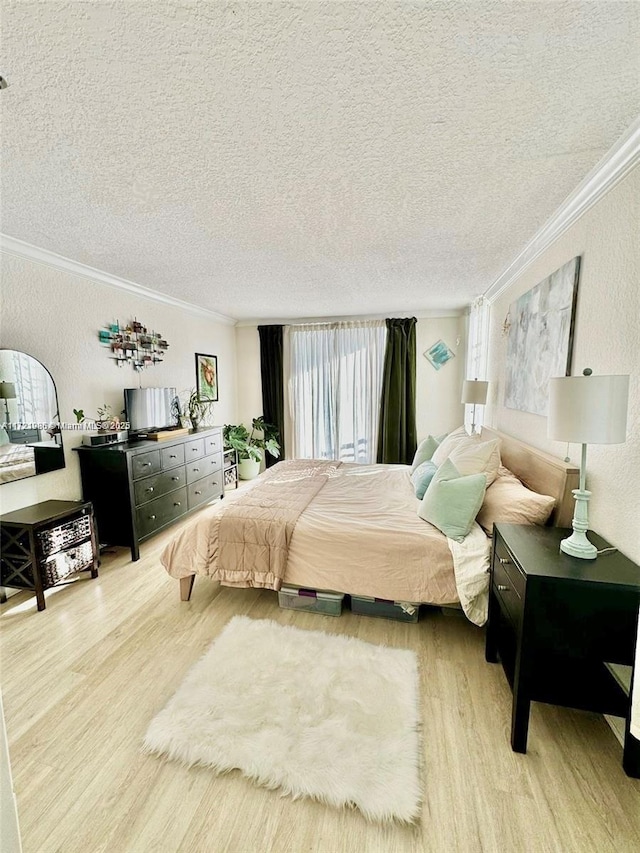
{"points": [[198, 493], [502, 588], [175, 479], [149, 489], [504, 561], [194, 449], [146, 464], [195, 469], [151, 517], [172, 456], [177, 503]]}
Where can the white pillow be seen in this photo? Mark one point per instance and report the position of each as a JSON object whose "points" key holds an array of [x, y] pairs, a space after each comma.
{"points": [[455, 438], [477, 458]]}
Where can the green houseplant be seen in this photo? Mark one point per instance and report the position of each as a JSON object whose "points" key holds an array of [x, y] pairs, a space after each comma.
{"points": [[251, 446]]}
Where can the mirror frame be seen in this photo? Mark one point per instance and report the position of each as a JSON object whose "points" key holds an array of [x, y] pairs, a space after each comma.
{"points": [[43, 458]]}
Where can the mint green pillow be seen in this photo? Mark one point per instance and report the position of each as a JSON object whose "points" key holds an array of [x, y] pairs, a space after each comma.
{"points": [[452, 502], [425, 451], [422, 476]]}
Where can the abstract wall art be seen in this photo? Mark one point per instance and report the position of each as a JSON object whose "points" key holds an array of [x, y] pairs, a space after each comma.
{"points": [[438, 354], [540, 339]]}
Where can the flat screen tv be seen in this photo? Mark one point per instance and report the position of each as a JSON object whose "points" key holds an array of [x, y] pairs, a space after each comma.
{"points": [[150, 409]]}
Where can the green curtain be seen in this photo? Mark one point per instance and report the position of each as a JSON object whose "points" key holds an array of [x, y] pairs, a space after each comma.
{"points": [[397, 427], [271, 368]]}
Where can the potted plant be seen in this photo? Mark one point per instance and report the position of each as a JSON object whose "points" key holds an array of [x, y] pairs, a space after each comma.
{"points": [[192, 410], [251, 446]]}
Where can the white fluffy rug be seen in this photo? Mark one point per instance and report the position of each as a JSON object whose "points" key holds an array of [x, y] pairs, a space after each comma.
{"points": [[316, 715]]}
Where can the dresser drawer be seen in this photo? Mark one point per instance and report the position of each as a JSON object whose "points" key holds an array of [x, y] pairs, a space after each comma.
{"points": [[213, 463], [205, 490], [193, 449], [213, 443], [155, 514], [158, 485], [145, 464], [172, 456]]}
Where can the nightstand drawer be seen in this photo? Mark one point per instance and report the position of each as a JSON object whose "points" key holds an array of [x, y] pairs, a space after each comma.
{"points": [[511, 601], [505, 566]]}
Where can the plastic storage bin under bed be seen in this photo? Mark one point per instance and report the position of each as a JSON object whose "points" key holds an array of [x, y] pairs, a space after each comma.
{"points": [[386, 609], [327, 603]]}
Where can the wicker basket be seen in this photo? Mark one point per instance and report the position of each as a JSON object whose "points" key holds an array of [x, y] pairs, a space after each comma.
{"points": [[56, 538], [65, 563]]}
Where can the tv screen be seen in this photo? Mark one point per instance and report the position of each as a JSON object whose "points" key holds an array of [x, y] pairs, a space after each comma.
{"points": [[150, 409]]}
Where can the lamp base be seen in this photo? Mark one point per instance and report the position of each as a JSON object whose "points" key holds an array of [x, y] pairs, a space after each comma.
{"points": [[577, 545]]}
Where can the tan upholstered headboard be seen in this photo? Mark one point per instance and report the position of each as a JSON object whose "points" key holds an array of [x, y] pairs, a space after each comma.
{"points": [[541, 473]]}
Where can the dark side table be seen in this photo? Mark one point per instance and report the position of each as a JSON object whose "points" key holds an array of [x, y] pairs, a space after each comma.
{"points": [[563, 627], [42, 544]]}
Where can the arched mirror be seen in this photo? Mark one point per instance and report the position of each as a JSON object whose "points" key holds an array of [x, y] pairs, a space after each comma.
{"points": [[30, 438]]}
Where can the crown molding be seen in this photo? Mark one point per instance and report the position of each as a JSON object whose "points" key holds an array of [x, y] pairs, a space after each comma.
{"points": [[617, 163], [21, 249], [354, 318]]}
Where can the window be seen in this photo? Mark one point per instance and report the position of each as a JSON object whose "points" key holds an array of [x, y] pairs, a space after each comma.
{"points": [[334, 386]]}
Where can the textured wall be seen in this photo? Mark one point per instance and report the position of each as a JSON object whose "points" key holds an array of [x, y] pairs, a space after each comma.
{"points": [[606, 339], [55, 316]]}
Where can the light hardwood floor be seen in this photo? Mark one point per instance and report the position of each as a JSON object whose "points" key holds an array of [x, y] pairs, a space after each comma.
{"points": [[82, 680]]}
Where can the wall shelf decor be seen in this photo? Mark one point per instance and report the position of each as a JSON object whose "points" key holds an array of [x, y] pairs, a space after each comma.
{"points": [[133, 344]]}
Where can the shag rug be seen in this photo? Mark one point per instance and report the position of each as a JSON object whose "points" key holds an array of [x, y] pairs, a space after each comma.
{"points": [[315, 715]]}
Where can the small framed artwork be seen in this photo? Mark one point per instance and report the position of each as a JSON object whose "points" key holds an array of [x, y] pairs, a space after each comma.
{"points": [[438, 354], [207, 377]]}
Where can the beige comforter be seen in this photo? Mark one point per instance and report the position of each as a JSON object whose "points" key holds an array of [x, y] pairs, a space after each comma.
{"points": [[248, 540], [360, 534]]}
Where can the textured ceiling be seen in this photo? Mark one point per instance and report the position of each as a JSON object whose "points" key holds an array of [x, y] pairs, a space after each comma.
{"points": [[306, 159]]}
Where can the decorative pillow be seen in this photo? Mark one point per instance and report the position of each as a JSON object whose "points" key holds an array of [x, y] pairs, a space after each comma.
{"points": [[4, 437], [424, 452], [508, 500], [422, 476], [456, 438], [451, 502], [477, 458]]}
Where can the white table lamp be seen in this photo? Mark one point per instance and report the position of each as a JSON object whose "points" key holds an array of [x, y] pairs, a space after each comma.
{"points": [[474, 391], [586, 410]]}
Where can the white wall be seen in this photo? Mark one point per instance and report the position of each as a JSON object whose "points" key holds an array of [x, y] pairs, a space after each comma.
{"points": [[607, 339], [55, 316], [438, 392], [249, 384]]}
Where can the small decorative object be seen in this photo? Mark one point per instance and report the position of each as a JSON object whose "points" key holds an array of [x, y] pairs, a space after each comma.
{"points": [[191, 410], [587, 410], [474, 391], [133, 344], [541, 339], [438, 354], [207, 377], [249, 447]]}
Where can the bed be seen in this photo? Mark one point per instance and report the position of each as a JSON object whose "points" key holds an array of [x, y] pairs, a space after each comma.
{"points": [[16, 461], [358, 533]]}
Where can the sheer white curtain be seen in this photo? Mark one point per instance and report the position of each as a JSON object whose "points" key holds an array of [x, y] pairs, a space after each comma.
{"points": [[333, 386], [477, 350]]}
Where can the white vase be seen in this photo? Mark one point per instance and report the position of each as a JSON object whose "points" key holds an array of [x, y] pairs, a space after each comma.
{"points": [[248, 469]]}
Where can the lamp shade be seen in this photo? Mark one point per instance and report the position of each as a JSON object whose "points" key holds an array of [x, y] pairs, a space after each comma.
{"points": [[7, 391], [588, 409], [474, 391]]}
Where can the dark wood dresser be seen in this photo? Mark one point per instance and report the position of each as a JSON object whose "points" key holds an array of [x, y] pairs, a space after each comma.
{"points": [[564, 628], [141, 487]]}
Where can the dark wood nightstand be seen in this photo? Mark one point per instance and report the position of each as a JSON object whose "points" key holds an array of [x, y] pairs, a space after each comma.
{"points": [[557, 622], [45, 543]]}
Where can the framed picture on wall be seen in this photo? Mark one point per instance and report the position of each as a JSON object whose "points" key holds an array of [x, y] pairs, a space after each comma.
{"points": [[207, 377]]}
